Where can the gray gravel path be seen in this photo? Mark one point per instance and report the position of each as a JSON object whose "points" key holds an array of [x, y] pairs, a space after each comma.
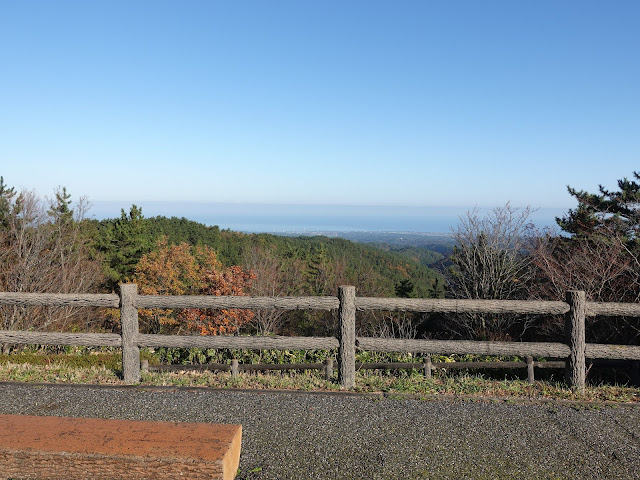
{"points": [[322, 436]]}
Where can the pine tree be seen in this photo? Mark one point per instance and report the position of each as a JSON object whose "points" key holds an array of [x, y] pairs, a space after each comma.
{"points": [[405, 289], [7, 205], [122, 244], [600, 256], [606, 214], [60, 209]]}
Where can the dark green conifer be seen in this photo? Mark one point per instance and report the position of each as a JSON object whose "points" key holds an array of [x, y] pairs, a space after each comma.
{"points": [[607, 214], [7, 205], [123, 241]]}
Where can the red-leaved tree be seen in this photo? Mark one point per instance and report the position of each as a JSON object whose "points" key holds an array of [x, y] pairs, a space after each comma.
{"points": [[187, 270]]}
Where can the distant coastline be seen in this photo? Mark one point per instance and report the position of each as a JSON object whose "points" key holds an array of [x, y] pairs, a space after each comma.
{"points": [[312, 219]]}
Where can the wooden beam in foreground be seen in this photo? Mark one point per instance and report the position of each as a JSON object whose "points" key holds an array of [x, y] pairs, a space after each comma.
{"points": [[57, 448]]}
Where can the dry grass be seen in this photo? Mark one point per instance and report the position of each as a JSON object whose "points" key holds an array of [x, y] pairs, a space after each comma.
{"points": [[105, 370]]}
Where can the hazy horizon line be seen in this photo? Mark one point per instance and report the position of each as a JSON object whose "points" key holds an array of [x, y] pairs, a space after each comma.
{"points": [[328, 205], [283, 218]]}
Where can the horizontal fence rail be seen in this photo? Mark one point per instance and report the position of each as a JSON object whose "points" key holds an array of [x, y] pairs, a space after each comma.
{"points": [[227, 341], [54, 338], [613, 309], [254, 303], [435, 305], [463, 346], [60, 299], [573, 348]]}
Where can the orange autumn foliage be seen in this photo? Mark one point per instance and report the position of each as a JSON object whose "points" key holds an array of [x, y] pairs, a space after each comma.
{"points": [[187, 270]]}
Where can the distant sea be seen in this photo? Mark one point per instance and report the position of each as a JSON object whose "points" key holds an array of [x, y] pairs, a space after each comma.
{"points": [[264, 218]]}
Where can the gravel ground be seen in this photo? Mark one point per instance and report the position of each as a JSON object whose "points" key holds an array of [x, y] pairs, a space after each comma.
{"points": [[341, 436]]}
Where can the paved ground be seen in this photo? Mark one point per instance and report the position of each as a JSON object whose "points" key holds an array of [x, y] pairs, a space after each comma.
{"points": [[319, 436]]}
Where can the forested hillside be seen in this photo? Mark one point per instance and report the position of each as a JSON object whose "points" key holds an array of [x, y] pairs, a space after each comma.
{"points": [[48, 245], [319, 264], [272, 266]]}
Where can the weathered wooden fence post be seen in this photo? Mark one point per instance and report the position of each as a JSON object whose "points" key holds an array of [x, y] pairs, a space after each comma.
{"points": [[347, 336], [328, 368], [235, 368], [129, 324], [427, 366], [531, 376], [575, 372]]}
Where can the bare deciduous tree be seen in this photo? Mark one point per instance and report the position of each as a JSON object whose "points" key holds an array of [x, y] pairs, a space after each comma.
{"points": [[275, 277], [599, 253], [600, 266], [600, 269], [45, 251], [490, 262], [390, 325]]}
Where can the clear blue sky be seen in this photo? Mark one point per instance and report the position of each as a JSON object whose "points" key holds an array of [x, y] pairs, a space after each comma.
{"points": [[421, 103]]}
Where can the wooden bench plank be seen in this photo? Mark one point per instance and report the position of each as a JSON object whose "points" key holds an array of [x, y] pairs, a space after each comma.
{"points": [[33, 447]]}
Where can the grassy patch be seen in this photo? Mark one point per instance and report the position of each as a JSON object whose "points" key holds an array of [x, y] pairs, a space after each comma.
{"points": [[109, 360], [103, 366], [57, 372]]}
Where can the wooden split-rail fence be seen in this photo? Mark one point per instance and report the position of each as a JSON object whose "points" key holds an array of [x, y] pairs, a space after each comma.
{"points": [[573, 347]]}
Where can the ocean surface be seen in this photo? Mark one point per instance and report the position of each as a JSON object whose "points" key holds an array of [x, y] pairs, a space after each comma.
{"points": [[264, 218]]}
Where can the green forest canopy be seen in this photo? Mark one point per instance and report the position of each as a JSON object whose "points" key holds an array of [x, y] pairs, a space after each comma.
{"points": [[325, 261]]}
